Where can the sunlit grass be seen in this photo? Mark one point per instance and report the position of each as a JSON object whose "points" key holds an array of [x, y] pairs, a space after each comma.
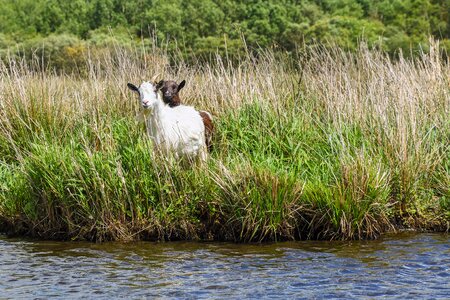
{"points": [[332, 146]]}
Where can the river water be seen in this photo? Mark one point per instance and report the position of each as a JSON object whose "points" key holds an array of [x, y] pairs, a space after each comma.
{"points": [[398, 266]]}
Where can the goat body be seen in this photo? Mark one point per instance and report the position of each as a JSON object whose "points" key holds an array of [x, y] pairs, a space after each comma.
{"points": [[180, 129]]}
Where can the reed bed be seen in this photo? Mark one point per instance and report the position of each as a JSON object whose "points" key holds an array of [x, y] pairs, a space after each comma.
{"points": [[326, 145]]}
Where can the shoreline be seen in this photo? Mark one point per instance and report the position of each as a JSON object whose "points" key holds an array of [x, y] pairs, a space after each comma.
{"points": [[443, 228]]}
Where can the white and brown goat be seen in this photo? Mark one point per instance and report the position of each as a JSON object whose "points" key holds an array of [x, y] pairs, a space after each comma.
{"points": [[170, 91]]}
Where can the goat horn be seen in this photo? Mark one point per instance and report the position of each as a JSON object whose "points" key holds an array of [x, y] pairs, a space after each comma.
{"points": [[154, 77]]}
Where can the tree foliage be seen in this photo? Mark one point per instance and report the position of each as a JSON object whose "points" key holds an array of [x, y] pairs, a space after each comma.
{"points": [[204, 26]]}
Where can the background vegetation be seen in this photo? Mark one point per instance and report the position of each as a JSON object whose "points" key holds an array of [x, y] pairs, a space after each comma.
{"points": [[64, 29], [336, 146]]}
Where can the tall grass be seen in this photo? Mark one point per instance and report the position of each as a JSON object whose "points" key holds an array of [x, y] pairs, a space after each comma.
{"points": [[331, 145]]}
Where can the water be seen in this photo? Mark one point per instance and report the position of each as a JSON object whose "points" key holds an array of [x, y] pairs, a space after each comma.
{"points": [[399, 266]]}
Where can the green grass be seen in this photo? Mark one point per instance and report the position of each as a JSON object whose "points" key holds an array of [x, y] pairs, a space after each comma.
{"points": [[290, 161]]}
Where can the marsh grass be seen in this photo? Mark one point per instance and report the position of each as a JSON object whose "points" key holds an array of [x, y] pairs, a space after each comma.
{"points": [[331, 145]]}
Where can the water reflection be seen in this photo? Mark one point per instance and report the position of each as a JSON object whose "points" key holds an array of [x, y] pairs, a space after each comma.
{"points": [[400, 266]]}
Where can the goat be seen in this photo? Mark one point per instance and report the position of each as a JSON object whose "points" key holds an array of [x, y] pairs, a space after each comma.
{"points": [[170, 90], [180, 128]]}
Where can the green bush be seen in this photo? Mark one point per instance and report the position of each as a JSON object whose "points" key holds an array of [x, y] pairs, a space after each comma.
{"points": [[198, 27], [65, 52]]}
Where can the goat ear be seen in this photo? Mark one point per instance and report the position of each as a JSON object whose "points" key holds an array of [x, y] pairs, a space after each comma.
{"points": [[132, 87], [159, 84], [181, 85]]}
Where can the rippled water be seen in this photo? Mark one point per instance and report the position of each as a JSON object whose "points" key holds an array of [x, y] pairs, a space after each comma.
{"points": [[399, 266]]}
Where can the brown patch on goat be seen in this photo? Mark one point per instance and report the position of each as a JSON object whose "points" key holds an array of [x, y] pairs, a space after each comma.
{"points": [[209, 128]]}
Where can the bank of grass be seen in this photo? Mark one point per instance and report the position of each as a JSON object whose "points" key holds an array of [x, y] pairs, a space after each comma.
{"points": [[330, 146]]}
